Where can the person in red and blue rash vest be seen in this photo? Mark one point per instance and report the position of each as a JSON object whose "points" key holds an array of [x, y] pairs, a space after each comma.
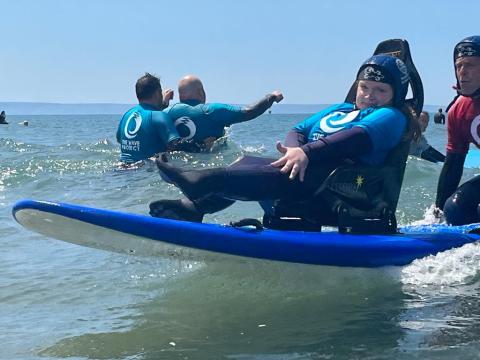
{"points": [[461, 206]]}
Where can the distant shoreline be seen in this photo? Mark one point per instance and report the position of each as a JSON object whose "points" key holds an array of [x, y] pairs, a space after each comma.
{"points": [[34, 108]]}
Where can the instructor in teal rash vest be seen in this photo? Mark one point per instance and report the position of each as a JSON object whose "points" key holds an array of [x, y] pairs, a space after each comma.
{"points": [[202, 123], [145, 130]]}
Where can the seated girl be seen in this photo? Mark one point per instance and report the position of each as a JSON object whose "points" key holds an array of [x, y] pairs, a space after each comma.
{"points": [[362, 132]]}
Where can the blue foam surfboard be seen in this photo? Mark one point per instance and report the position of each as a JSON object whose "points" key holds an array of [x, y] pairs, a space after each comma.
{"points": [[472, 161], [144, 235]]}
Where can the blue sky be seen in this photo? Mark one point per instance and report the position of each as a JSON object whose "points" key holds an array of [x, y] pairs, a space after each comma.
{"points": [[93, 51]]}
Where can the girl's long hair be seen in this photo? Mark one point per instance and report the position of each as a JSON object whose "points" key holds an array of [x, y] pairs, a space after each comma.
{"points": [[413, 131]]}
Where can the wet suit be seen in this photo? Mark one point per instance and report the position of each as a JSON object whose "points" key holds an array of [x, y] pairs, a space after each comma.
{"points": [[463, 129], [202, 123], [439, 118], [3, 118], [328, 138], [463, 206], [143, 132], [433, 155], [421, 148]]}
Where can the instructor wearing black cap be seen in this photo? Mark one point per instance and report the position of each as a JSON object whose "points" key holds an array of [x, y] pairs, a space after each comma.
{"points": [[461, 206]]}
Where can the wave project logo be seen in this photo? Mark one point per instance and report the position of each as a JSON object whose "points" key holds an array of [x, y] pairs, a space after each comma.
{"points": [[130, 134], [336, 121]]}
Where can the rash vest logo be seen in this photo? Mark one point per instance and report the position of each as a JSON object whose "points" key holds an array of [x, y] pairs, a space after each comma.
{"points": [[137, 118], [186, 127], [475, 128], [336, 121]]}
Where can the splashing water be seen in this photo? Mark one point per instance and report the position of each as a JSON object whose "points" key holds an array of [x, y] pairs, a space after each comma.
{"points": [[453, 267]]}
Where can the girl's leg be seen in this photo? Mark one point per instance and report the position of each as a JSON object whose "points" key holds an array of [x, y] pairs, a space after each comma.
{"points": [[250, 179], [186, 210]]}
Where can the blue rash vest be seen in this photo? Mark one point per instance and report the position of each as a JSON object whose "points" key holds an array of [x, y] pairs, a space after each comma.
{"points": [[143, 132], [197, 121], [384, 125]]}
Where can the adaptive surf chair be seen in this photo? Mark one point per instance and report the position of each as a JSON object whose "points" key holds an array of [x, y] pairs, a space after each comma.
{"points": [[357, 198]]}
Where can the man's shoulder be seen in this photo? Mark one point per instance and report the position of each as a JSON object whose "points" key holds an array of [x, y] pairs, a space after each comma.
{"points": [[182, 109], [133, 108], [218, 110], [160, 115], [463, 101], [179, 105], [217, 106], [464, 106]]}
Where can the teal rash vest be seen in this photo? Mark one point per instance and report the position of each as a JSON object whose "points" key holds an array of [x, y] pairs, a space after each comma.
{"points": [[143, 132]]}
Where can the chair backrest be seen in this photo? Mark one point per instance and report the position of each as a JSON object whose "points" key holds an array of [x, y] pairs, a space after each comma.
{"points": [[393, 172], [366, 188], [364, 191]]}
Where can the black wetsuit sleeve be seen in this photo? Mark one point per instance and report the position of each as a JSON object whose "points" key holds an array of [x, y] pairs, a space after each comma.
{"points": [[295, 139], [433, 155], [254, 110], [350, 143], [449, 177]]}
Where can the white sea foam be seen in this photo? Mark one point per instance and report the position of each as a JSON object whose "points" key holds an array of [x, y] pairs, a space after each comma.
{"points": [[453, 267], [429, 217]]}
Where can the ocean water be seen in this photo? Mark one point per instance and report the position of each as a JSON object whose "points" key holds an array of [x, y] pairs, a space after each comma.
{"points": [[61, 301]]}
